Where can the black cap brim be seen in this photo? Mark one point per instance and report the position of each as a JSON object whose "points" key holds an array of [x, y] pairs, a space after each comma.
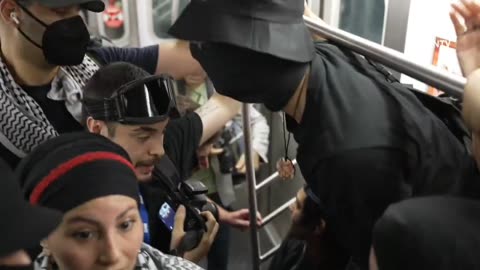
{"points": [[91, 5]]}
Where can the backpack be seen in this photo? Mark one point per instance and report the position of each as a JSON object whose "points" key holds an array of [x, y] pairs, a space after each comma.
{"points": [[445, 108]]}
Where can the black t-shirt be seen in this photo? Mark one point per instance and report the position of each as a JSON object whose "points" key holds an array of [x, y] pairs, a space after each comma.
{"points": [[56, 111]]}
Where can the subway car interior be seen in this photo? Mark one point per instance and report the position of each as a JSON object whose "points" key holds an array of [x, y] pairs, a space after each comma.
{"points": [[392, 23], [414, 39]]}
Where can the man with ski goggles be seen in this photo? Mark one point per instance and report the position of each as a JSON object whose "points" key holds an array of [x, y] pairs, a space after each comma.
{"points": [[138, 111]]}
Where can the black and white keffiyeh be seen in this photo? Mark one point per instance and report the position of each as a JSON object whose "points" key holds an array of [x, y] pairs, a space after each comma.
{"points": [[148, 259], [23, 124]]}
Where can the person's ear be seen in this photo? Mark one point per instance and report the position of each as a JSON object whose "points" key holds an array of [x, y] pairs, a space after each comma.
{"points": [[9, 12], [95, 126], [45, 249]]}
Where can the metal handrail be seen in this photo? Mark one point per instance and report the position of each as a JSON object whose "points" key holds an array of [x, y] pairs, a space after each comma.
{"points": [[270, 253], [429, 74], [277, 212], [269, 180]]}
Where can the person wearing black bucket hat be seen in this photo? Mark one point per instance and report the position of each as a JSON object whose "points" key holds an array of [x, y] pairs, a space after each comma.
{"points": [[23, 225], [438, 233], [92, 182], [364, 140]]}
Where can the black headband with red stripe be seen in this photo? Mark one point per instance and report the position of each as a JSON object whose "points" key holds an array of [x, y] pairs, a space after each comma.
{"points": [[73, 169], [70, 165]]}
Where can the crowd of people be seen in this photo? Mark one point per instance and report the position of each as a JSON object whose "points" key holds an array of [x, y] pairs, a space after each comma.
{"points": [[93, 144]]}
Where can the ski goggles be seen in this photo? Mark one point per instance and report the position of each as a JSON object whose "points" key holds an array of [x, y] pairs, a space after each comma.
{"points": [[144, 101]]}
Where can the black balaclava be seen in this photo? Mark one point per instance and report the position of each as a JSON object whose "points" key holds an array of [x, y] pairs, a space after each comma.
{"points": [[429, 233], [249, 76]]}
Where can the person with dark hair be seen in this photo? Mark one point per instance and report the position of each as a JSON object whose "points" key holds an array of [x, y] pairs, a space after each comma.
{"points": [[92, 182], [438, 233], [309, 244], [46, 60], [364, 139], [125, 104], [23, 226]]}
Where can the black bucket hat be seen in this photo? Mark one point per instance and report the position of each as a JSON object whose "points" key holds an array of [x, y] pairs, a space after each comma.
{"points": [[274, 27], [23, 226]]}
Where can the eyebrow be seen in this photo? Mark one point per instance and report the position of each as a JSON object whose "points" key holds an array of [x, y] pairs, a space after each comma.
{"points": [[94, 222], [124, 213], [144, 129]]}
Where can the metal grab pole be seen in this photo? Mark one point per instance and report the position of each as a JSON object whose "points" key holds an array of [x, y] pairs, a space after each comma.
{"points": [[449, 83], [278, 211], [269, 180], [270, 253], [251, 183]]}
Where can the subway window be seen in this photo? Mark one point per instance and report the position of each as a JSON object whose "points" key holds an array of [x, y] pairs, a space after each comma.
{"points": [[164, 13], [114, 19], [113, 23], [364, 18]]}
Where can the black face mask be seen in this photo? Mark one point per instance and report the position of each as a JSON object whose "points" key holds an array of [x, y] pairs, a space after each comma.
{"points": [[249, 76], [64, 42]]}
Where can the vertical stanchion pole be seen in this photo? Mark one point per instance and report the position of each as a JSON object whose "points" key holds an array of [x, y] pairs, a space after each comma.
{"points": [[251, 184]]}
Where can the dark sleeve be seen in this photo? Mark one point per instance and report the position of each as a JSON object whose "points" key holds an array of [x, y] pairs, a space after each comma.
{"points": [[11, 159], [356, 187], [182, 138], [146, 58], [288, 255]]}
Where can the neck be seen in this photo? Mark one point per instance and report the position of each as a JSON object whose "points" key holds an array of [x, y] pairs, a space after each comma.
{"points": [[27, 72], [296, 105]]}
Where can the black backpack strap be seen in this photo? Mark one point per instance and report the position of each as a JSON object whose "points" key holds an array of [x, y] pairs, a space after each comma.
{"points": [[166, 173], [383, 70], [446, 108]]}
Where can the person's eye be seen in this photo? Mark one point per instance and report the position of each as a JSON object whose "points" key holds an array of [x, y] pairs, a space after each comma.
{"points": [[143, 138], [83, 235], [127, 225]]}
